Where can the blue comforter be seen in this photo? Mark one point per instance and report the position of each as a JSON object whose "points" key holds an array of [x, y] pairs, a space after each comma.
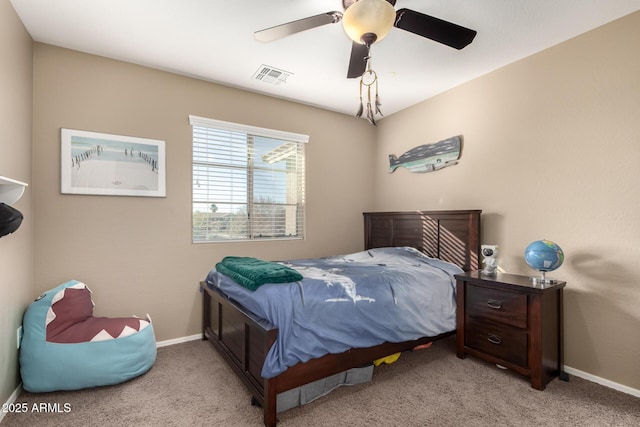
{"points": [[349, 301]]}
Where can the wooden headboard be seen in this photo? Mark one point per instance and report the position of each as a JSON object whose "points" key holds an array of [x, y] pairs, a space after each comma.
{"points": [[452, 236]]}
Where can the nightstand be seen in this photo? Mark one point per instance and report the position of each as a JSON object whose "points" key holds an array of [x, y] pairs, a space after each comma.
{"points": [[513, 322]]}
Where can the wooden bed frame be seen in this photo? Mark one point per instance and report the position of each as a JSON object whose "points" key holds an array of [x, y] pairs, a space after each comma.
{"points": [[244, 339]]}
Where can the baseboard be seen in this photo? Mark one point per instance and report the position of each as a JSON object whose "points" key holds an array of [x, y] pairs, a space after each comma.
{"points": [[11, 399], [599, 380], [178, 340]]}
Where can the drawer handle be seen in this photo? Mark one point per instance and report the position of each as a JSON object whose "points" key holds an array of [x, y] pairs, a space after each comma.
{"points": [[494, 339], [495, 304]]}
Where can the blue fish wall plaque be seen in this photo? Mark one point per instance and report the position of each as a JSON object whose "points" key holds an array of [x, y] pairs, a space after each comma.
{"points": [[429, 157]]}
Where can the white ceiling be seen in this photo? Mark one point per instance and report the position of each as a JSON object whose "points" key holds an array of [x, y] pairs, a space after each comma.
{"points": [[213, 40]]}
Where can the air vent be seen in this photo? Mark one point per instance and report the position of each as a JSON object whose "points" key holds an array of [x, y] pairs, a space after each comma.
{"points": [[271, 75]]}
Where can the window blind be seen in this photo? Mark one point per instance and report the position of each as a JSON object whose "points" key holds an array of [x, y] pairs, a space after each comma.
{"points": [[248, 182]]}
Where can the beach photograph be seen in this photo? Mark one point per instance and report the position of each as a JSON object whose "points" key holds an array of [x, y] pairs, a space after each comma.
{"points": [[103, 164]]}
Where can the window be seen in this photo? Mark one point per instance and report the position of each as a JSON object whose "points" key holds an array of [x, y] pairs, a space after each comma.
{"points": [[248, 182]]}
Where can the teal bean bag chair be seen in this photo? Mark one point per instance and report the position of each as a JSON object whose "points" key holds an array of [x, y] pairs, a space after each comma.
{"points": [[64, 347]]}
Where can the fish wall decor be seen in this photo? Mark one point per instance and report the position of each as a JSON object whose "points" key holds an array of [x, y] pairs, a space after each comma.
{"points": [[429, 157]]}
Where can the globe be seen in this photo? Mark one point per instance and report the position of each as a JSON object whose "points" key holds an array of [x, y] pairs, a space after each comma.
{"points": [[543, 255]]}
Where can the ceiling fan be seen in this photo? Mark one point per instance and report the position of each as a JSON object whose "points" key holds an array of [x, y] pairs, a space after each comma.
{"points": [[369, 21]]}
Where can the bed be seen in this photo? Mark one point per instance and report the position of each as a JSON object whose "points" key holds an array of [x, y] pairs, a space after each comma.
{"points": [[248, 342]]}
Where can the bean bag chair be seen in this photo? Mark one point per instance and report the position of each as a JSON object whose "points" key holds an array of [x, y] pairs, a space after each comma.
{"points": [[64, 347]]}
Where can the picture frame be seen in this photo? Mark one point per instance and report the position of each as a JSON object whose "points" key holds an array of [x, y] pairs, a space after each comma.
{"points": [[93, 163]]}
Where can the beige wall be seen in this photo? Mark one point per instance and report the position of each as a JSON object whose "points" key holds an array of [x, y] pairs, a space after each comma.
{"points": [[16, 250], [551, 146], [135, 253], [551, 150]]}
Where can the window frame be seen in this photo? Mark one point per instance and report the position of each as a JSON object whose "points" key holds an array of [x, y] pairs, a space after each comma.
{"points": [[252, 133]]}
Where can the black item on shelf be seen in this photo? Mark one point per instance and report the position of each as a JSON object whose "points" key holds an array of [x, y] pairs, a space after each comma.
{"points": [[10, 219]]}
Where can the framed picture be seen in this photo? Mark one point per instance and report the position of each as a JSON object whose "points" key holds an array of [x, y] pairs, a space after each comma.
{"points": [[111, 165]]}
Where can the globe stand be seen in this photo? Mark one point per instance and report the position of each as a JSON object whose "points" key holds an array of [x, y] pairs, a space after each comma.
{"points": [[542, 280]]}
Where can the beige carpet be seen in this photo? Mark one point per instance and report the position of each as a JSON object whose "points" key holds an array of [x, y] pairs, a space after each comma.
{"points": [[190, 385]]}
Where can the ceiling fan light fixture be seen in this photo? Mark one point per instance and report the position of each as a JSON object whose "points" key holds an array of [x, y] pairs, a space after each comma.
{"points": [[366, 17]]}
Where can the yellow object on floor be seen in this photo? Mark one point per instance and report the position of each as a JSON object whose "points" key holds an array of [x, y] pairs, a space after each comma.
{"points": [[388, 359]]}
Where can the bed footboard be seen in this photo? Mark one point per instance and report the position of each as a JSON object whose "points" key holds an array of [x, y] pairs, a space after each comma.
{"points": [[242, 339]]}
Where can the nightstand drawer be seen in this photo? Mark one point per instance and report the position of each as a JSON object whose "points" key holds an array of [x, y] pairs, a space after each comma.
{"points": [[497, 340], [500, 306]]}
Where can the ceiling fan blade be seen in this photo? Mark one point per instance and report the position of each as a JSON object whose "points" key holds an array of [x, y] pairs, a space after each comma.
{"points": [[444, 32], [358, 62], [283, 30]]}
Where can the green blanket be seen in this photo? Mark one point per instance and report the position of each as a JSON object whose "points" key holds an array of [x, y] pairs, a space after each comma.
{"points": [[253, 273]]}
